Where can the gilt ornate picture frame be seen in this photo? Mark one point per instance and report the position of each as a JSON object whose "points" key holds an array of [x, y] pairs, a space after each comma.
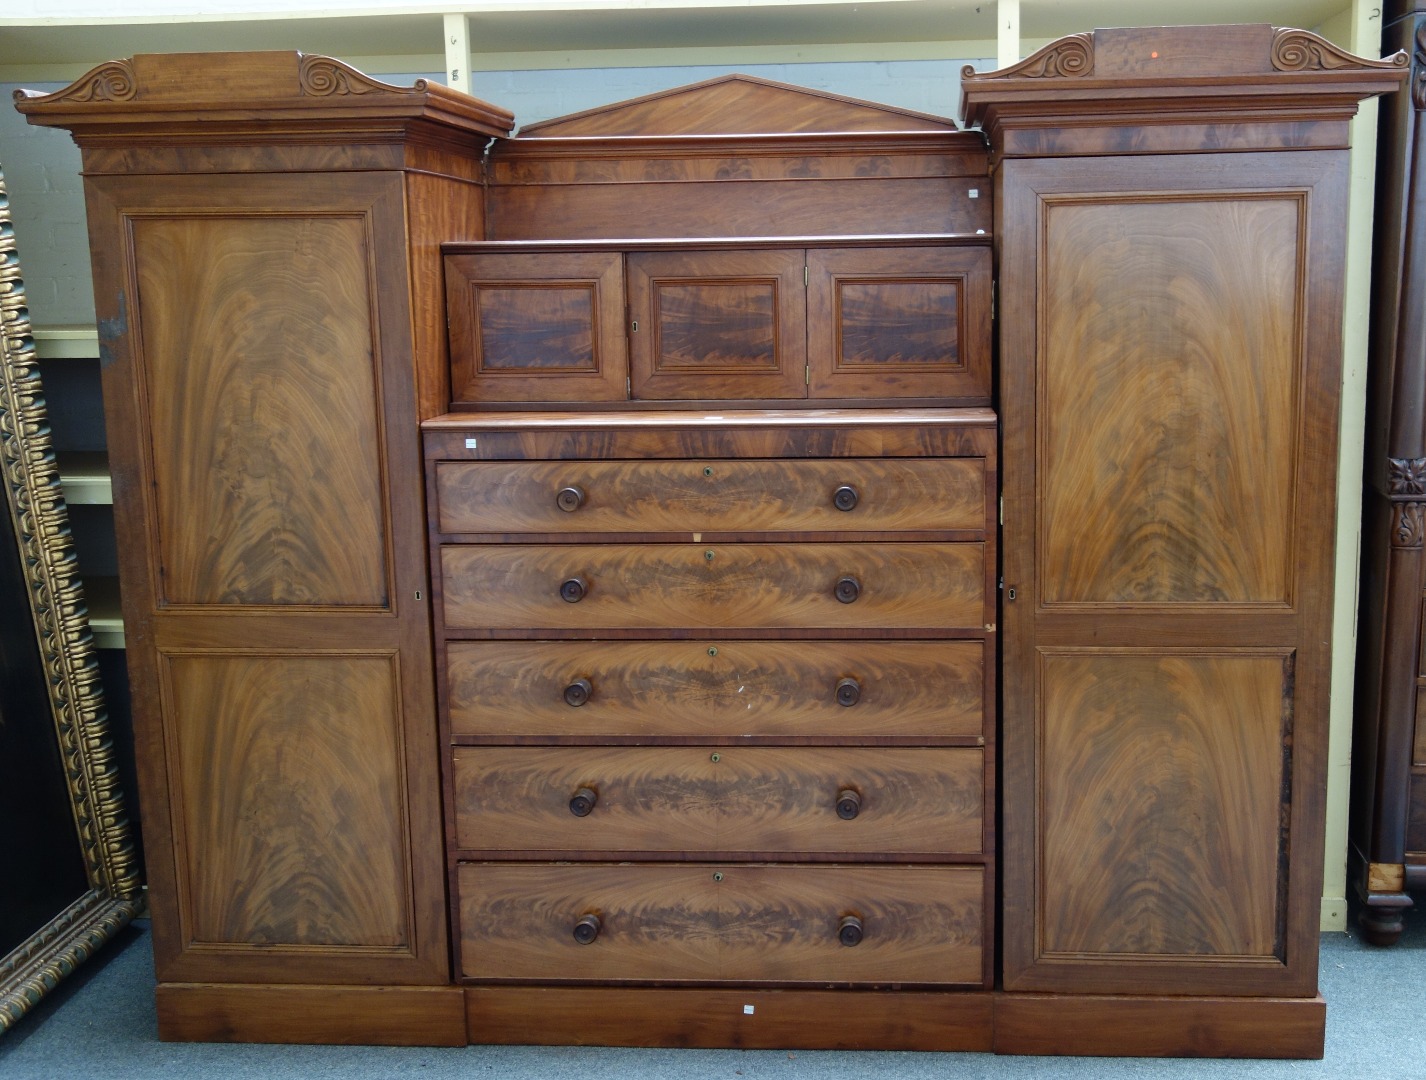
{"points": [[68, 864]]}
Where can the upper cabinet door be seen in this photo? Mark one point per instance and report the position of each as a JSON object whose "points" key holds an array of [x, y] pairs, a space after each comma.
{"points": [[536, 327], [718, 324], [1170, 365], [900, 322]]}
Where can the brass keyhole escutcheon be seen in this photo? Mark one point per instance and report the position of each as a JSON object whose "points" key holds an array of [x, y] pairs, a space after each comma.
{"points": [[715, 757], [708, 470], [718, 876], [712, 650], [708, 555]]}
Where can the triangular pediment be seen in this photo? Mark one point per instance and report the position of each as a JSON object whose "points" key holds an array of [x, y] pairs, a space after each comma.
{"points": [[735, 105]]}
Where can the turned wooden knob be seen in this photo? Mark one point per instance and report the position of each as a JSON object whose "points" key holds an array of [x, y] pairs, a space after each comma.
{"points": [[849, 692], [570, 499], [849, 931], [587, 928], [849, 804], [847, 589], [845, 497], [577, 692], [572, 591], [582, 802]]}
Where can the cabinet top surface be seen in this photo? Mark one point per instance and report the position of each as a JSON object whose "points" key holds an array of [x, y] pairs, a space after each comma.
{"points": [[730, 418]]}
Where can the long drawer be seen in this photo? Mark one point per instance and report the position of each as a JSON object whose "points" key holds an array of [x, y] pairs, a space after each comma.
{"points": [[834, 495], [723, 923], [783, 689], [763, 801], [648, 586]]}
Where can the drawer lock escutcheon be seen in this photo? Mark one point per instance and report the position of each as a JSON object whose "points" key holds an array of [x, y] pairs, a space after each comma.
{"points": [[572, 591], [581, 804], [849, 803], [570, 499], [845, 498], [587, 928], [847, 589], [849, 931]]}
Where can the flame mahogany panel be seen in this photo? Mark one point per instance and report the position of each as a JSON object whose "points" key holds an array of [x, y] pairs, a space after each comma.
{"points": [[717, 689], [696, 496], [290, 511], [722, 923], [675, 800]]}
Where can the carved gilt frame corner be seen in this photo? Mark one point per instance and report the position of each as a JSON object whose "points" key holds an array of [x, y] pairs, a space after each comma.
{"points": [[35, 504]]}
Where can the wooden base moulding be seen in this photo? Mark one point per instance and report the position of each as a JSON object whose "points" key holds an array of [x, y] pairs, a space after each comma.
{"points": [[1001, 1023]]}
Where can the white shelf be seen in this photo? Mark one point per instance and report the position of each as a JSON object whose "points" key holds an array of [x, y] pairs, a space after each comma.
{"points": [[106, 620], [66, 342], [84, 475]]}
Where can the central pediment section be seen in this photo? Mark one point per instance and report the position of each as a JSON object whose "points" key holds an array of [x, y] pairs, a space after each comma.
{"points": [[735, 105]]}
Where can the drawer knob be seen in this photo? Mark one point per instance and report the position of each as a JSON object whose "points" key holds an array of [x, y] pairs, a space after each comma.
{"points": [[849, 692], [849, 804], [570, 499], [572, 591], [849, 931], [581, 803], [845, 497], [577, 692], [587, 928], [847, 589]]}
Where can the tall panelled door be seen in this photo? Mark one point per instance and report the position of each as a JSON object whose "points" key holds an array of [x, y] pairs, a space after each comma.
{"points": [[1170, 335], [273, 619]]}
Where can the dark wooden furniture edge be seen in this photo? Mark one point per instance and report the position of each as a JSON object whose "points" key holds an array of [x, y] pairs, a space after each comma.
{"points": [[966, 1021], [1075, 1024], [735, 243], [337, 1015]]}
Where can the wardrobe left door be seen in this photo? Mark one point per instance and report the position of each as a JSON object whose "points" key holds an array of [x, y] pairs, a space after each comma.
{"points": [[258, 381]]}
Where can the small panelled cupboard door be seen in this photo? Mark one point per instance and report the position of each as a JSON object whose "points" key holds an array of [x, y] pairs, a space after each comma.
{"points": [[1171, 334], [258, 382], [718, 324], [899, 322], [537, 327]]}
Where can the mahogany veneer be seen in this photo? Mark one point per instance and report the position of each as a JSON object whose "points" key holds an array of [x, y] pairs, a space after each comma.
{"points": [[710, 712]]}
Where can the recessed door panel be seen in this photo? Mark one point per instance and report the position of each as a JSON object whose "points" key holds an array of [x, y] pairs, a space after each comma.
{"points": [[1169, 384], [259, 357]]}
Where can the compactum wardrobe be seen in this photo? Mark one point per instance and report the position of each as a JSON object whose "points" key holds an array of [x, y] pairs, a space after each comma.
{"points": [[567, 573]]}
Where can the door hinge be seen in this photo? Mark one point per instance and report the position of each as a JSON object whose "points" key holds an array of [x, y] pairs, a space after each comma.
{"points": [[807, 375], [993, 291], [806, 276], [1002, 509]]}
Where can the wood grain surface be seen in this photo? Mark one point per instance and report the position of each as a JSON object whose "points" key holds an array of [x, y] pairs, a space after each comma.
{"points": [[651, 586], [717, 324], [681, 799], [711, 496], [339, 1015], [1162, 815], [259, 353], [899, 322], [1169, 398], [286, 777], [546, 327], [722, 923], [712, 689], [744, 1018]]}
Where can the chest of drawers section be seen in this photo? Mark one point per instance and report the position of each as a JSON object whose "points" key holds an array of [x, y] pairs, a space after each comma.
{"points": [[716, 695]]}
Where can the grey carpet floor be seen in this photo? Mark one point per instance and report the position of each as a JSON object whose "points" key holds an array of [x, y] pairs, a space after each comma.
{"points": [[101, 1024]]}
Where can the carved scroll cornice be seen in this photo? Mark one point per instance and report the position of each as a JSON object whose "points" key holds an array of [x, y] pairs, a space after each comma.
{"points": [[112, 81], [321, 76], [1405, 476], [1068, 58], [1302, 50], [1408, 524]]}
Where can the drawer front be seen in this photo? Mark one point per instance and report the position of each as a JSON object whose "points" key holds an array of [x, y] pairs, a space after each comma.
{"points": [[711, 496], [647, 586], [810, 689], [716, 923], [751, 800]]}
